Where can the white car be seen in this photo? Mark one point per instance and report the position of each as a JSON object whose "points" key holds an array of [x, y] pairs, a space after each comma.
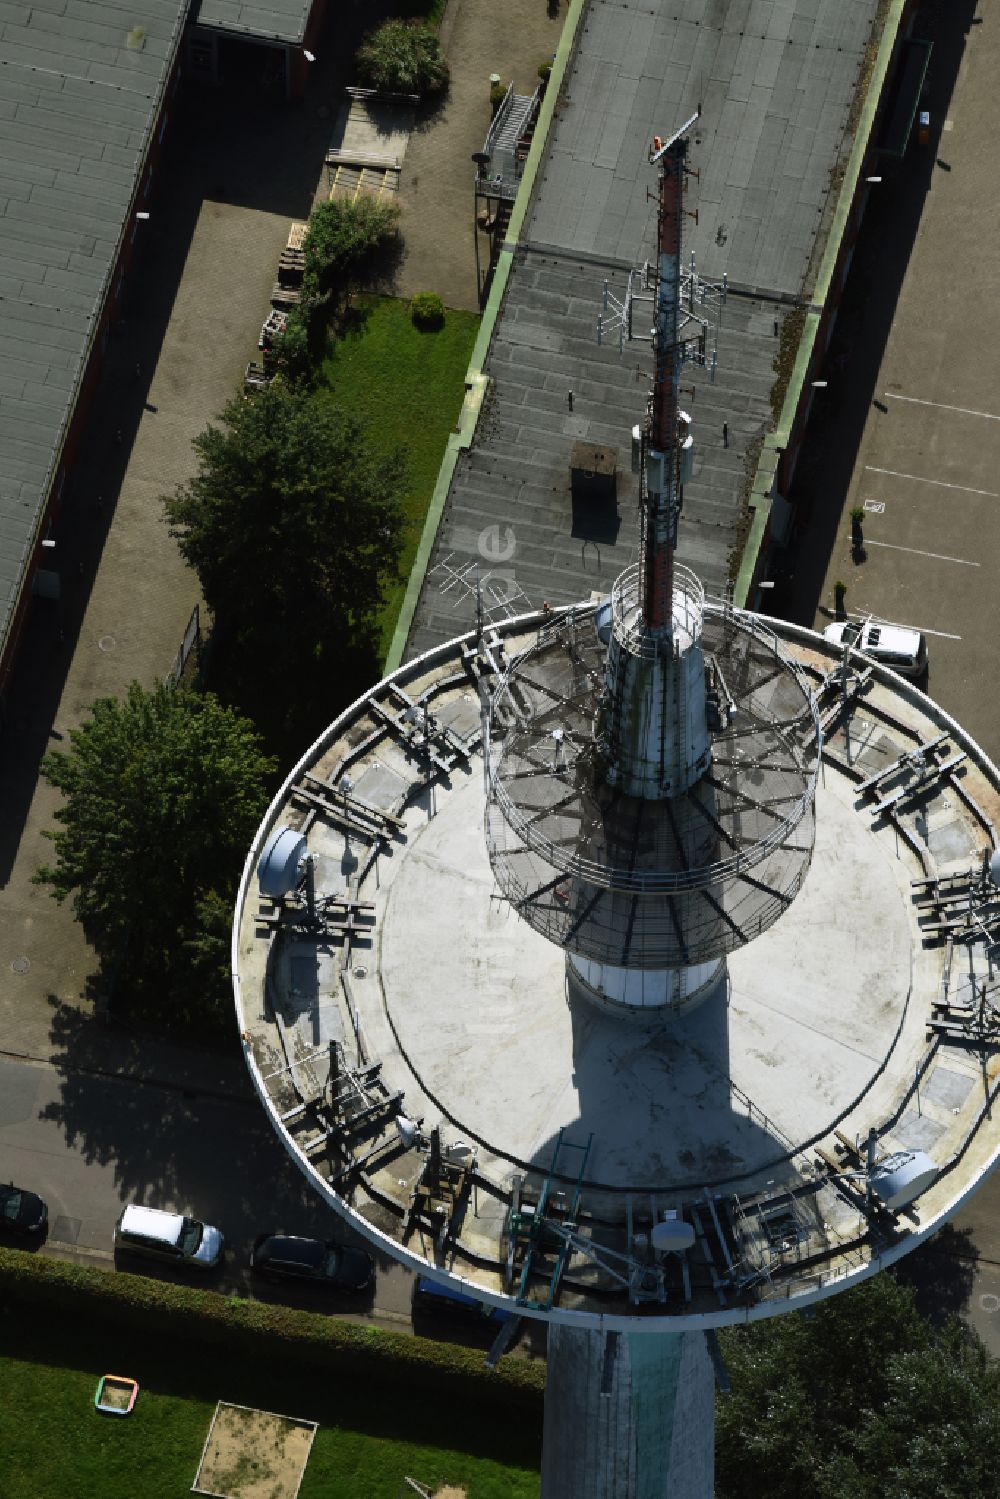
{"points": [[895, 646], [168, 1236]]}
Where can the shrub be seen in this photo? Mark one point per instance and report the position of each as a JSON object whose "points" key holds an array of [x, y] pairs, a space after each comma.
{"points": [[402, 57], [544, 69], [427, 310], [497, 95], [293, 352], [261, 1332]]}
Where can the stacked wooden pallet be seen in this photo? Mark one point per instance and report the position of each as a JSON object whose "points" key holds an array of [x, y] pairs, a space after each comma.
{"points": [[291, 268]]}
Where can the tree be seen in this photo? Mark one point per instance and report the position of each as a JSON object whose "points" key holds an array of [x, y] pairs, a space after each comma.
{"points": [[163, 793], [345, 240], [402, 57], [864, 1398], [293, 525]]}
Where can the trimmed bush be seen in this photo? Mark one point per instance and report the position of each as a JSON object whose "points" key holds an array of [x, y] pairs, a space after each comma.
{"points": [[544, 69], [427, 310], [402, 57], [262, 1331], [497, 95]]}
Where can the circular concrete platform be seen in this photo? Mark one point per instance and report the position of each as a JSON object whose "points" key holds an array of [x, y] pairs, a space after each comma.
{"points": [[815, 1012]]}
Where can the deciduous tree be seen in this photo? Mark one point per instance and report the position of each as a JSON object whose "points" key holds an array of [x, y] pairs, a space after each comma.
{"points": [[293, 525], [163, 793], [863, 1399]]}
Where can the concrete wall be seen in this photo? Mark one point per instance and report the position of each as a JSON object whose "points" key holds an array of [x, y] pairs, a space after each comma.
{"points": [[782, 447], [649, 1435]]}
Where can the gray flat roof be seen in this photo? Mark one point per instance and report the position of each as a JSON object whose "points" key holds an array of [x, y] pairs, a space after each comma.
{"points": [[277, 20], [775, 81], [80, 83]]}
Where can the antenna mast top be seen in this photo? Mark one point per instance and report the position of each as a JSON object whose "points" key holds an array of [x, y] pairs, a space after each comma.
{"points": [[661, 499]]}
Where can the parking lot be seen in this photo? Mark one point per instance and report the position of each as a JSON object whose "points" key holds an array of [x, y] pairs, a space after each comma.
{"points": [[927, 468], [927, 471]]}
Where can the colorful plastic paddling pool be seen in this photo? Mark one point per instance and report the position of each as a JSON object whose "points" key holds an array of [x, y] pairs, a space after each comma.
{"points": [[122, 1387]]}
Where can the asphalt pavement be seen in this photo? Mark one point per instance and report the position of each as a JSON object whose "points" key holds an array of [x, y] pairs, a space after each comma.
{"points": [[88, 1143]]}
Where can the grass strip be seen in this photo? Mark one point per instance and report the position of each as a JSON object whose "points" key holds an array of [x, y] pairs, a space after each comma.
{"points": [[407, 387], [56, 1446]]}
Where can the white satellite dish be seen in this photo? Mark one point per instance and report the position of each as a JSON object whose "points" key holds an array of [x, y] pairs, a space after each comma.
{"points": [[902, 1177], [409, 1131], [995, 867], [278, 868], [672, 1235]]}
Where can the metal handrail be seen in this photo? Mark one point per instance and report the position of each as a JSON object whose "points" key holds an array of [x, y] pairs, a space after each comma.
{"points": [[656, 881]]}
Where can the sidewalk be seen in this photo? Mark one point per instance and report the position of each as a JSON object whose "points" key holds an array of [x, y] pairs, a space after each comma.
{"points": [[436, 185], [233, 180]]}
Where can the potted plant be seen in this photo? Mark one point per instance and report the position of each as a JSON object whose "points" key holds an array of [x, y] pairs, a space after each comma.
{"points": [[857, 521], [840, 594]]}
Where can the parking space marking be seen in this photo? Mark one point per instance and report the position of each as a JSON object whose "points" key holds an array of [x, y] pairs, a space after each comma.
{"points": [[988, 416], [940, 483], [937, 556], [941, 634]]}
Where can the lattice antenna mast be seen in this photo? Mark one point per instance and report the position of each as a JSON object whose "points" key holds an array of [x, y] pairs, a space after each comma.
{"points": [[661, 488]]}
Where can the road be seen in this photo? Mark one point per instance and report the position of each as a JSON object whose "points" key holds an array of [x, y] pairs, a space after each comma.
{"points": [[88, 1144]]}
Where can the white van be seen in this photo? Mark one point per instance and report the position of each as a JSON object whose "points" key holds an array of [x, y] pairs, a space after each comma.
{"points": [[170, 1237], [895, 646]]}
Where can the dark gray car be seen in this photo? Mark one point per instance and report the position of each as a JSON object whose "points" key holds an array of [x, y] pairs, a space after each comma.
{"points": [[317, 1261]]}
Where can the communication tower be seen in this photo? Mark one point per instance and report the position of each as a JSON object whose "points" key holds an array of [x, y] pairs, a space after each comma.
{"points": [[642, 1061]]}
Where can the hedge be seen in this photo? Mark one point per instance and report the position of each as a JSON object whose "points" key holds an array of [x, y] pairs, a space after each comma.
{"points": [[257, 1329]]}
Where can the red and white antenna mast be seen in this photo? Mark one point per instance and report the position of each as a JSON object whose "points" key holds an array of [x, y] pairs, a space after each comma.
{"points": [[661, 499], [652, 728]]}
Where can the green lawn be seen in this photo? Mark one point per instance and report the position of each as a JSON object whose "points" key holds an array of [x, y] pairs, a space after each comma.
{"points": [[408, 387], [56, 1445]]}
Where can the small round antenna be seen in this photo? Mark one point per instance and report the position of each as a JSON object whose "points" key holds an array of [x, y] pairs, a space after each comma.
{"points": [[278, 869], [409, 1132], [672, 1235]]}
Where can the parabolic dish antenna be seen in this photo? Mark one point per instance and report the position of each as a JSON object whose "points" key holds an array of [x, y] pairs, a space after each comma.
{"points": [[278, 869]]}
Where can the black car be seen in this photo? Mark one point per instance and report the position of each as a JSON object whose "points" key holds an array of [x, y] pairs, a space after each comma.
{"points": [[285, 1257], [22, 1212]]}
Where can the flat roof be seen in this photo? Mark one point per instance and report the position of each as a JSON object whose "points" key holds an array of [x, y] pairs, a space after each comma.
{"points": [[850, 1014], [775, 82], [80, 89], [275, 20]]}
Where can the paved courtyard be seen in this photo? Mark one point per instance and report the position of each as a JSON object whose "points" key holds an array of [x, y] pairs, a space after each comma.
{"points": [[236, 174]]}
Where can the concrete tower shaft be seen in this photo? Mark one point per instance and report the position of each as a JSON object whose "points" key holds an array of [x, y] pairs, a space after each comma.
{"points": [[653, 721]]}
